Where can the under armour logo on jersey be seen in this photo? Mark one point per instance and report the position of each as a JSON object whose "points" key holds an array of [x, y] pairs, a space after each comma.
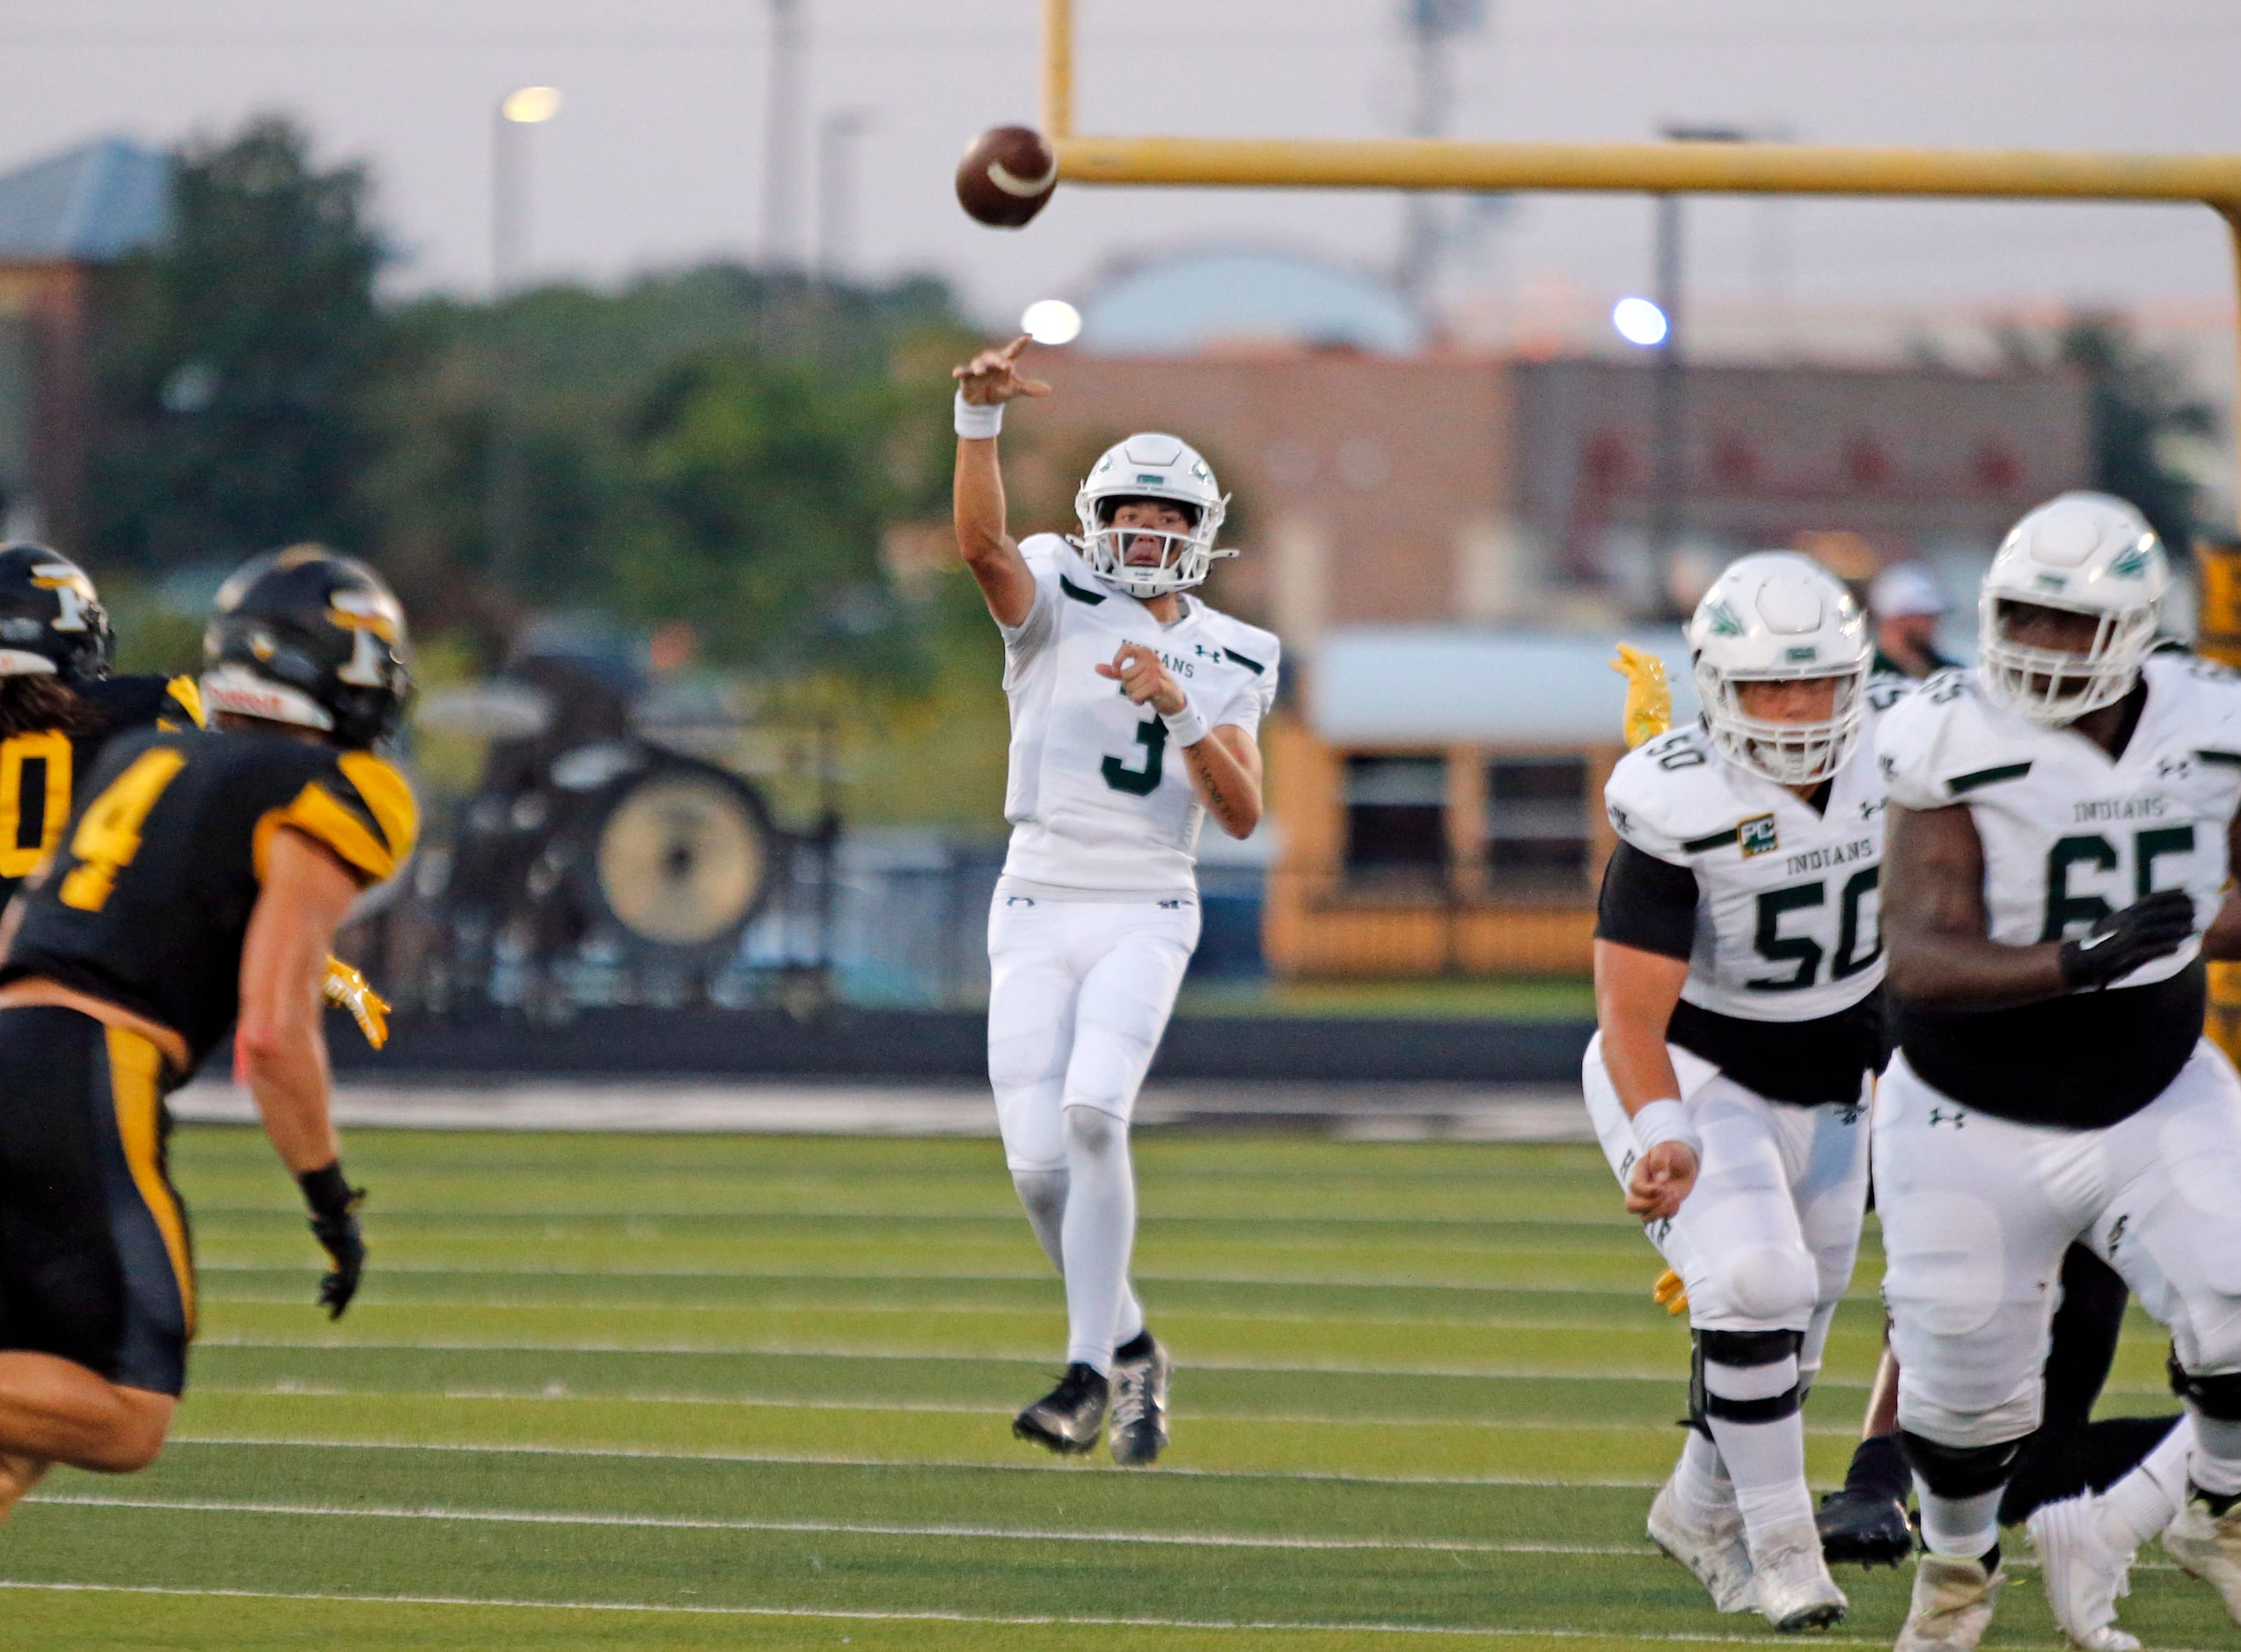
{"points": [[1953, 1116], [2116, 1234], [1018, 900], [1849, 1112], [2174, 767]]}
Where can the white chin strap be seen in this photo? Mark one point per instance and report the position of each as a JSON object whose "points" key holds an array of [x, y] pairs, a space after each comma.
{"points": [[235, 687]]}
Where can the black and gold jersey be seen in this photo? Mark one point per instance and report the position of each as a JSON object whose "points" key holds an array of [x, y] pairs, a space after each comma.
{"points": [[40, 770], [147, 901]]}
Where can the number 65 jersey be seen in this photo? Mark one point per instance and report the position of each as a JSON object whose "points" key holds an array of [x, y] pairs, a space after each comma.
{"points": [[147, 901], [1774, 902], [2070, 835], [1099, 802]]}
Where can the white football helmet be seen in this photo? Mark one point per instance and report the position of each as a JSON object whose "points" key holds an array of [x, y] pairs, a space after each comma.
{"points": [[2082, 553], [1149, 466], [1776, 617]]}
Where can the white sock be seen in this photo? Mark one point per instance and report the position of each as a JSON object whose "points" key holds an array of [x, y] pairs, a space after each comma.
{"points": [[2150, 1497], [1766, 1460], [1700, 1482], [1097, 1235], [1043, 1194], [2216, 1463], [1959, 1528]]}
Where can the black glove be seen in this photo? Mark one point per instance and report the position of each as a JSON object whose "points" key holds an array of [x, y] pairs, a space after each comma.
{"points": [[2153, 926], [334, 1223]]}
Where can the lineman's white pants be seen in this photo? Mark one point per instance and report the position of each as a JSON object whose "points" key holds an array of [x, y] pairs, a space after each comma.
{"points": [[1977, 1210], [1766, 1239]]}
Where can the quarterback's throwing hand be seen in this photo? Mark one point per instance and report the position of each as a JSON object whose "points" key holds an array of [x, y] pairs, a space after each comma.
{"points": [[1661, 1180], [993, 377], [1144, 679]]}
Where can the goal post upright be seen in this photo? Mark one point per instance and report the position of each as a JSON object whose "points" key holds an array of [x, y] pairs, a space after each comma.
{"points": [[1670, 168]]}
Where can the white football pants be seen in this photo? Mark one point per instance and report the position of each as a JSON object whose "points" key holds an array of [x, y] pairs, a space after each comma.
{"points": [[1766, 1239], [1079, 995], [1977, 1210]]}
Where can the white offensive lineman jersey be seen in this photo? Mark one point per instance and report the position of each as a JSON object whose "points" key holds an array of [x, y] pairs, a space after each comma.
{"points": [[1787, 908], [1098, 805], [2069, 833]]}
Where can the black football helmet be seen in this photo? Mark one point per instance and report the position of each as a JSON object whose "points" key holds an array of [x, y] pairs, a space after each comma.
{"points": [[310, 636], [52, 623]]}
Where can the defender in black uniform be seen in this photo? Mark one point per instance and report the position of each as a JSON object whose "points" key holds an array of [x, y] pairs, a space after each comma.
{"points": [[58, 703], [197, 887]]}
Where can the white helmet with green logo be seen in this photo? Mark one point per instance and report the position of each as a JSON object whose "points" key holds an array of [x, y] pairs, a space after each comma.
{"points": [[1149, 466], [1776, 617], [2083, 553]]}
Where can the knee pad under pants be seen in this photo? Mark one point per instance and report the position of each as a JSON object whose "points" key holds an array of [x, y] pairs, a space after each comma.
{"points": [[1959, 1470]]}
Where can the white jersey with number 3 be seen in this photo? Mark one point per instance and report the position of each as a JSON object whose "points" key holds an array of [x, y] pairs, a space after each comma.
{"points": [[1788, 905], [2069, 833], [1100, 801]]}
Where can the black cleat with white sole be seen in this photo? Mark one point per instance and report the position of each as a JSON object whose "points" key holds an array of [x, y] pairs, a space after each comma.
{"points": [[1068, 1418], [1138, 1429]]}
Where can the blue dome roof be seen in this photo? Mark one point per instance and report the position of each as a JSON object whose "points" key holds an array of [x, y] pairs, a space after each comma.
{"points": [[1181, 304]]}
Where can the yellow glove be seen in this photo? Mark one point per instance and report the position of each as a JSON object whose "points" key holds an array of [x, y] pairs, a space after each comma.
{"points": [[1649, 698], [346, 990], [1669, 1293]]}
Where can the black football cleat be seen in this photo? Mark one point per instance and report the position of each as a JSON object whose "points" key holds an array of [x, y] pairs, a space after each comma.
{"points": [[1863, 1527], [1068, 1418], [1140, 1420]]}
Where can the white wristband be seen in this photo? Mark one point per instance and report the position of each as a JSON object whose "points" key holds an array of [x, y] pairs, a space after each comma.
{"points": [[976, 423], [1660, 1122], [1187, 726]]}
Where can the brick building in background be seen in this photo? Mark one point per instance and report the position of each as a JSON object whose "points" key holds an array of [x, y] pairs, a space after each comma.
{"points": [[60, 220], [1449, 544]]}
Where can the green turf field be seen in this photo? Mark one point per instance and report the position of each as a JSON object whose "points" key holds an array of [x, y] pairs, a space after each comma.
{"points": [[678, 1392]]}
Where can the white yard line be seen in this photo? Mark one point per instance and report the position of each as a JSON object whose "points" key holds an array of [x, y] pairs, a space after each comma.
{"points": [[819, 1459], [830, 1614], [848, 1528], [564, 1394]]}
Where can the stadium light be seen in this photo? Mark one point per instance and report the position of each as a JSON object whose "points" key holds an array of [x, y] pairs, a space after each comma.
{"points": [[1051, 321], [531, 105], [1639, 322]]}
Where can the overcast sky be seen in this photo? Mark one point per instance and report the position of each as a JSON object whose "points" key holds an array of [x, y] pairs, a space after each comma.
{"points": [[657, 159]]}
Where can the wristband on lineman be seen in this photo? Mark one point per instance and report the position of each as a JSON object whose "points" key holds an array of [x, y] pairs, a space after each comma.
{"points": [[1667, 1121], [326, 1192], [1187, 726], [976, 423]]}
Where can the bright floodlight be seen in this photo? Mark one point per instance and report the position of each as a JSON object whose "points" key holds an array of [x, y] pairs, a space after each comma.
{"points": [[1639, 321], [1051, 321], [531, 105]]}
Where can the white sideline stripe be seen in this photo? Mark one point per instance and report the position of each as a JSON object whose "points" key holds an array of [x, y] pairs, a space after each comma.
{"points": [[818, 1460], [308, 1391], [838, 1615], [849, 1528], [1624, 1231], [1479, 1372]]}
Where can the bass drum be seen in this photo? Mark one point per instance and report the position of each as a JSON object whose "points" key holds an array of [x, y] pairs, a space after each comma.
{"points": [[682, 856]]}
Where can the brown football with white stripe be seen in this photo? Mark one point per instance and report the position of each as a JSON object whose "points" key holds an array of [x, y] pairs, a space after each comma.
{"points": [[1006, 175]]}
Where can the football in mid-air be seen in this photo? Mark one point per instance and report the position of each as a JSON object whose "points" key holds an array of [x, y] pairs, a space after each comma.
{"points": [[1006, 176]]}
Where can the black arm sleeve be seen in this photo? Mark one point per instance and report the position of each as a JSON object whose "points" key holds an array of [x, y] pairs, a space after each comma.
{"points": [[1647, 903]]}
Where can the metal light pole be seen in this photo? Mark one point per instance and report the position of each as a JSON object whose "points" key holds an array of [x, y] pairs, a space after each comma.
{"points": [[1433, 27], [506, 484], [1669, 415], [782, 140], [525, 106], [837, 135]]}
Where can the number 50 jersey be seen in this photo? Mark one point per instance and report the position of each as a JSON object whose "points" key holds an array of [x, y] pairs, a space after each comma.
{"points": [[147, 901], [1099, 802]]}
